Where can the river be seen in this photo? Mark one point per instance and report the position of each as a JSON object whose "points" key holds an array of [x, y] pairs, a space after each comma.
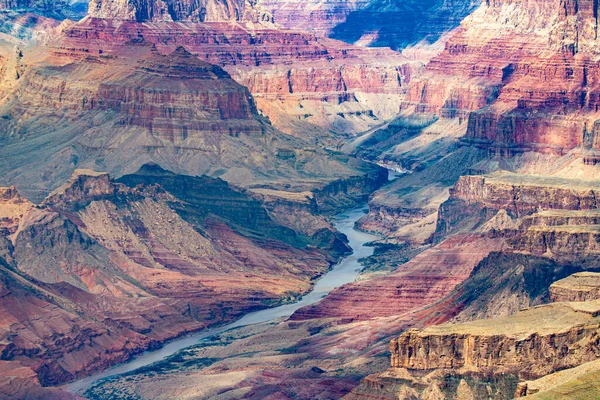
{"points": [[344, 272]]}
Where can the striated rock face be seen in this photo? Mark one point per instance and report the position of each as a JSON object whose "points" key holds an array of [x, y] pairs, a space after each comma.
{"points": [[139, 106], [91, 277], [522, 195], [320, 17], [329, 83], [504, 283], [583, 286], [426, 279], [522, 73], [532, 343], [504, 201], [178, 10]]}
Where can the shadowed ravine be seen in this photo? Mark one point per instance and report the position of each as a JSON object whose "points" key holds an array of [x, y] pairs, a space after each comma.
{"points": [[343, 272]]}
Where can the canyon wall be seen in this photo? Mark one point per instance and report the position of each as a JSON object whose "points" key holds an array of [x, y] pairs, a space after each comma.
{"points": [[94, 266], [583, 286], [522, 74], [528, 344], [138, 106], [178, 10]]}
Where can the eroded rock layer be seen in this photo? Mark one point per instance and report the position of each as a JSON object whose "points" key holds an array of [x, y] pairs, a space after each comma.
{"points": [[103, 270], [532, 343], [423, 281], [178, 10], [118, 112], [329, 83], [524, 74], [584, 286]]}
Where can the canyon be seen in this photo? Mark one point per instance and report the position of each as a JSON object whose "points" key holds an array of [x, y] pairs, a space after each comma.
{"points": [[171, 166]]}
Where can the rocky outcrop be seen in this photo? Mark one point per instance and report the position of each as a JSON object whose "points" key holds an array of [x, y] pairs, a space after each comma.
{"points": [[527, 79], [176, 111], [475, 200], [532, 343], [95, 266], [583, 286], [18, 382], [522, 195], [320, 17], [179, 10], [504, 283], [571, 383], [330, 83]]}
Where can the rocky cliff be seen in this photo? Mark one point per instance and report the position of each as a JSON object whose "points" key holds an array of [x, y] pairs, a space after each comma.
{"points": [[520, 64], [179, 10], [529, 204], [93, 265], [583, 286], [530, 344], [330, 84], [486, 358], [140, 106]]}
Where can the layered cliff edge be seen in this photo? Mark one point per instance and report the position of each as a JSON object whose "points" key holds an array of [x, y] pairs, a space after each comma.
{"points": [[116, 113]]}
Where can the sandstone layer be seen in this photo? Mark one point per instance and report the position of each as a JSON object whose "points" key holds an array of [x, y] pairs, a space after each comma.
{"points": [[301, 81], [583, 286], [485, 358], [533, 343], [522, 74], [418, 283], [116, 113]]}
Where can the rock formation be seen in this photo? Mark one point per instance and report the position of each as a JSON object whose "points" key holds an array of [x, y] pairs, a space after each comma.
{"points": [[94, 266], [179, 10], [532, 343], [571, 383], [176, 111], [421, 282], [330, 84], [583, 286], [485, 358], [320, 17]]}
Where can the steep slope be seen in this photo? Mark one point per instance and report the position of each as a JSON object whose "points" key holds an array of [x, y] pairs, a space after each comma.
{"points": [[116, 113], [517, 65], [179, 10], [91, 276], [486, 357], [304, 83]]}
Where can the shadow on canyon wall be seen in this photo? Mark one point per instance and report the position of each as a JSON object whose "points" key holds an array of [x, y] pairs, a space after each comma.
{"points": [[399, 23]]}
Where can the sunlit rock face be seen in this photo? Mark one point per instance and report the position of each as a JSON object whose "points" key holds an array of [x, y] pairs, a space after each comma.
{"points": [[178, 10], [306, 84], [94, 265], [523, 74], [173, 109]]}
